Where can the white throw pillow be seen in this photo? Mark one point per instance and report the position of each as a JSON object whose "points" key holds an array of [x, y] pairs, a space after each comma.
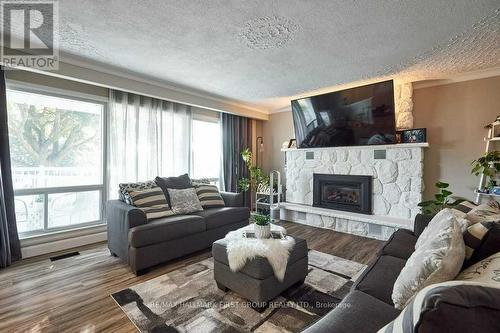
{"points": [[486, 271], [440, 221], [437, 260]]}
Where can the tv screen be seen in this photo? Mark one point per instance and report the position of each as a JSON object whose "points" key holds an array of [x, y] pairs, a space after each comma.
{"points": [[352, 117]]}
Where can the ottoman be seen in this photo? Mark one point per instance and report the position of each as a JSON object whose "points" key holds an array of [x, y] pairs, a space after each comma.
{"points": [[256, 281]]}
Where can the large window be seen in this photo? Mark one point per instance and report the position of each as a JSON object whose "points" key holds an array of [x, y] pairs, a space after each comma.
{"points": [[206, 149], [57, 149]]}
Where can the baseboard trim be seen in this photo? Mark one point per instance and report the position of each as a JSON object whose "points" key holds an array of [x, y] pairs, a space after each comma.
{"points": [[63, 244]]}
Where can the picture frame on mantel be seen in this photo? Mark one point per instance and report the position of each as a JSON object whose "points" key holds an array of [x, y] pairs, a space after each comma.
{"points": [[414, 135], [292, 143]]}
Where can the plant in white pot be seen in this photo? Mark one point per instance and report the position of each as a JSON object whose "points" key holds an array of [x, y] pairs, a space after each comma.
{"points": [[262, 226]]}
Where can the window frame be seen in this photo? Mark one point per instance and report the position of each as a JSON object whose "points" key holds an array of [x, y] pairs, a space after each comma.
{"points": [[207, 116], [46, 191]]}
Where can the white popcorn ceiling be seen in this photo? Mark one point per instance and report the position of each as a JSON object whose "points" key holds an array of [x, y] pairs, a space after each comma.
{"points": [[263, 52]]}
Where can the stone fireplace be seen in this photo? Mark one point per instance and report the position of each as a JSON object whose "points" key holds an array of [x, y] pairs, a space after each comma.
{"points": [[396, 174], [343, 192]]}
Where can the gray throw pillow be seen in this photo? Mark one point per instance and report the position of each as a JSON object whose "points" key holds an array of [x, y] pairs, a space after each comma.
{"points": [[181, 182], [451, 306], [184, 201]]}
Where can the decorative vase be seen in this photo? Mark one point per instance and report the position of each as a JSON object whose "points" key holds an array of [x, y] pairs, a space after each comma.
{"points": [[262, 231]]}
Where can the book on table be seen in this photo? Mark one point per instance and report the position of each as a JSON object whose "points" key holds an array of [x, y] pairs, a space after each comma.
{"points": [[274, 235]]}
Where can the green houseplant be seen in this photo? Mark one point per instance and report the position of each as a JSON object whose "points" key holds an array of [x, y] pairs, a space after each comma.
{"points": [[488, 165], [256, 174], [441, 200], [262, 225]]}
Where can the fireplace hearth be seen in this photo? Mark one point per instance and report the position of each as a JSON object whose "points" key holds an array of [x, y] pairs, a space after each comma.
{"points": [[343, 192]]}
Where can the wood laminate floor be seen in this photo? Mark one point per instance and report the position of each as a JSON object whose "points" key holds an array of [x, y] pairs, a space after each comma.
{"points": [[73, 294]]}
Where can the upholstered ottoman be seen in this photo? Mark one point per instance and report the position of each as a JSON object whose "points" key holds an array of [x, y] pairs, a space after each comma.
{"points": [[256, 281]]}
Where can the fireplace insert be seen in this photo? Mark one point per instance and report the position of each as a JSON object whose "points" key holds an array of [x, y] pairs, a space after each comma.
{"points": [[343, 192]]}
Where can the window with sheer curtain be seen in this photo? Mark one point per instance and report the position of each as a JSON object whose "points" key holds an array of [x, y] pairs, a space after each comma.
{"points": [[57, 148], [148, 137], [206, 146]]}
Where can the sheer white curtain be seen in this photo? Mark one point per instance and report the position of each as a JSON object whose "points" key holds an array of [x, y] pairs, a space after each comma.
{"points": [[147, 138]]}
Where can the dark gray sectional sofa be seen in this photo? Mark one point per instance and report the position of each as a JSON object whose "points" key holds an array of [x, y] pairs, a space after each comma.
{"points": [[368, 307], [142, 244]]}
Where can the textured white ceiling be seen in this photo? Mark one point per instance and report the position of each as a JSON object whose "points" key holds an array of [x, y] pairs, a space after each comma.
{"points": [[263, 52]]}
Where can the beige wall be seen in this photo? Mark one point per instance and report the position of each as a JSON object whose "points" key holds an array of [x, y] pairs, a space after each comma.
{"points": [[276, 130], [455, 115]]}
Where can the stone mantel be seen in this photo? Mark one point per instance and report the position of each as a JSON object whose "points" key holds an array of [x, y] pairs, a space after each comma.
{"points": [[373, 147], [387, 221], [397, 172]]}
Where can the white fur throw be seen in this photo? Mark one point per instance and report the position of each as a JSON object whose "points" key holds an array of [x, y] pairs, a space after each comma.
{"points": [[277, 252]]}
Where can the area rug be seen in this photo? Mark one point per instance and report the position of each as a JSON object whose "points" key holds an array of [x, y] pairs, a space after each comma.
{"points": [[188, 300]]}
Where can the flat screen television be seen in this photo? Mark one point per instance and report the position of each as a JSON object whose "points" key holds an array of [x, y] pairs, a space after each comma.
{"points": [[352, 117]]}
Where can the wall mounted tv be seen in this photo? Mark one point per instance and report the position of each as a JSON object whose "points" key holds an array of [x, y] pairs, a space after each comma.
{"points": [[352, 117]]}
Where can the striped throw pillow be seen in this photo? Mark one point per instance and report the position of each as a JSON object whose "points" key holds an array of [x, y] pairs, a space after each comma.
{"points": [[126, 188], [474, 236], [474, 296], [209, 196], [152, 202]]}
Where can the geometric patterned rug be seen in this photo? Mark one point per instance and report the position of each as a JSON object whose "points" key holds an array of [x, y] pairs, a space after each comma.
{"points": [[188, 300]]}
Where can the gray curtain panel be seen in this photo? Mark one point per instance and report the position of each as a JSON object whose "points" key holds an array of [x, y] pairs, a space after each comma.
{"points": [[236, 136], [10, 248]]}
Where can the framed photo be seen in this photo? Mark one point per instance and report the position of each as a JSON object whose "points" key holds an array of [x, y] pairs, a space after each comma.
{"points": [[292, 143], [399, 138], [415, 135]]}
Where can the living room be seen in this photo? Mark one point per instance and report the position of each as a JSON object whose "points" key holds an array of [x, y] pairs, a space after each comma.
{"points": [[176, 166]]}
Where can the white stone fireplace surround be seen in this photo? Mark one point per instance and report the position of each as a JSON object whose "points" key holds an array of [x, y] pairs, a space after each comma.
{"points": [[397, 172]]}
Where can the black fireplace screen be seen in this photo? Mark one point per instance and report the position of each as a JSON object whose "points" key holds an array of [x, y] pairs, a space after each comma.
{"points": [[343, 192], [346, 195]]}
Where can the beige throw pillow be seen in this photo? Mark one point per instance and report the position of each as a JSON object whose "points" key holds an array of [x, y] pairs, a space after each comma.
{"points": [[485, 271], [487, 212], [436, 260]]}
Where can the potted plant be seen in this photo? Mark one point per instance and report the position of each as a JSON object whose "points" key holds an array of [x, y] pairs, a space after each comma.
{"points": [[262, 226], [488, 165], [255, 173], [441, 200]]}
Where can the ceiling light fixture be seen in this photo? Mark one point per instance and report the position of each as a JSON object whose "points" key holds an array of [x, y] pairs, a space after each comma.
{"points": [[268, 32]]}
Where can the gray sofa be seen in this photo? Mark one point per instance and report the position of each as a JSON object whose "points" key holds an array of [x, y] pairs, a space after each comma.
{"points": [[368, 306], [142, 244]]}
